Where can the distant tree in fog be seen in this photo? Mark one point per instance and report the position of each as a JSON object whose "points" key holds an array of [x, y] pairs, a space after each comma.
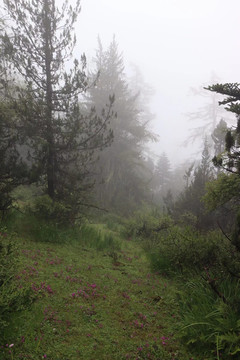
{"points": [[162, 174], [190, 199], [145, 92], [207, 116], [218, 137], [122, 173]]}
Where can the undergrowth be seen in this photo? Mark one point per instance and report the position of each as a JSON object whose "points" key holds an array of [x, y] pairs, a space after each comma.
{"points": [[208, 324], [205, 268], [152, 290]]}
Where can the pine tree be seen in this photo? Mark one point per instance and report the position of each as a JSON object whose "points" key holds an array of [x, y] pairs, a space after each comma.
{"points": [[13, 172], [230, 159], [12, 169], [224, 192], [121, 169], [218, 137], [59, 137], [162, 174]]}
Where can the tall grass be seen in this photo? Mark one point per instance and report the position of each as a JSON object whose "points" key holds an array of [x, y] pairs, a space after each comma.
{"points": [[209, 323], [99, 239], [40, 230], [29, 226]]}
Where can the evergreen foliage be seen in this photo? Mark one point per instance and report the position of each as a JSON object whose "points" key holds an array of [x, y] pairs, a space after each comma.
{"points": [[190, 200], [229, 160], [162, 174], [207, 116], [218, 137], [59, 138], [12, 169], [122, 171]]}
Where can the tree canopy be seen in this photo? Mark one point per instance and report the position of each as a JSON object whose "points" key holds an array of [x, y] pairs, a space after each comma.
{"points": [[230, 159], [59, 137]]}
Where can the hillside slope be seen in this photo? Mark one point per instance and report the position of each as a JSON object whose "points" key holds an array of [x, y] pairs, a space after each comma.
{"points": [[92, 304]]}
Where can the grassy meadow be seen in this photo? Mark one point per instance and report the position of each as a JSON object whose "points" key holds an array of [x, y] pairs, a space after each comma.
{"points": [[116, 289], [92, 296]]}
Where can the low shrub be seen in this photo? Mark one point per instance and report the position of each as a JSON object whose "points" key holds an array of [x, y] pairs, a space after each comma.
{"points": [[56, 212], [12, 297], [187, 250], [147, 225], [40, 230], [207, 266]]}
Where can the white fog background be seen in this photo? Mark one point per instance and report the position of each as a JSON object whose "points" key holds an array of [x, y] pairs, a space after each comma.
{"points": [[177, 45]]}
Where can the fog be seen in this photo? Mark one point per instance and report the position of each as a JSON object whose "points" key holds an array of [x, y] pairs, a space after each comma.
{"points": [[125, 250], [177, 45]]}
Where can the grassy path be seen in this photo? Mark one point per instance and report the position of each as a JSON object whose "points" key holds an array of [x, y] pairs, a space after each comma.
{"points": [[92, 305]]}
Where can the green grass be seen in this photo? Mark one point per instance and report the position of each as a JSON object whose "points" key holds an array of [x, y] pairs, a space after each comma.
{"points": [[95, 299], [209, 324]]}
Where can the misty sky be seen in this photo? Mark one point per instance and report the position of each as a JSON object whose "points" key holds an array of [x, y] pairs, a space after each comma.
{"points": [[176, 44]]}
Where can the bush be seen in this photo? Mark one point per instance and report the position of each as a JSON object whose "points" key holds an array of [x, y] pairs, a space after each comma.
{"points": [[43, 231], [182, 249], [210, 302], [46, 209], [147, 225]]}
